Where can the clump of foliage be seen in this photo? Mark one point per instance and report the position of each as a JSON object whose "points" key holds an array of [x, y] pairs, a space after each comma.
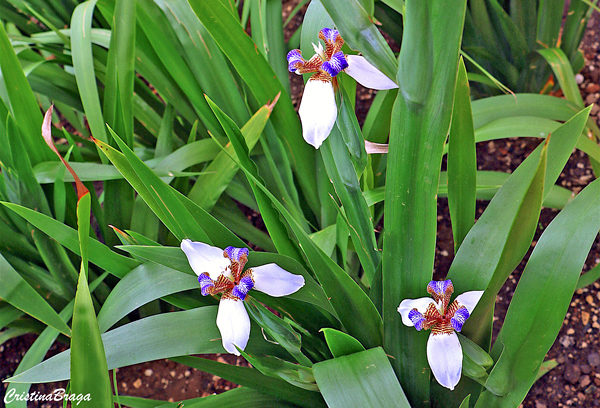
{"points": [[172, 118]]}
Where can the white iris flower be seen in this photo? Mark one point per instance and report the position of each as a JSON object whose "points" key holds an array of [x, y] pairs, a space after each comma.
{"points": [[318, 110], [444, 352], [222, 271]]}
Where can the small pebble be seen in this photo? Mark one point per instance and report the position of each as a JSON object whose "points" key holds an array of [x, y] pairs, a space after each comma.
{"points": [[137, 383], [591, 88], [585, 318], [148, 372], [572, 373], [585, 380], [594, 359], [566, 341], [579, 78]]}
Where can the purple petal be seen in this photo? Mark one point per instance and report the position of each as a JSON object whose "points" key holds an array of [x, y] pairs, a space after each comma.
{"points": [[205, 283], [294, 57], [234, 253], [241, 289], [439, 287], [417, 319], [336, 64], [330, 34], [459, 318]]}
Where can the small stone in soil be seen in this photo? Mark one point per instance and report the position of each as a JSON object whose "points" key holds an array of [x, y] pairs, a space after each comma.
{"points": [[572, 373], [566, 341], [586, 369], [584, 381], [585, 318], [148, 372], [137, 383], [594, 359]]}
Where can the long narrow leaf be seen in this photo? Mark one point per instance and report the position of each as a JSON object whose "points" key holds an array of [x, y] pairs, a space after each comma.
{"points": [[427, 73]]}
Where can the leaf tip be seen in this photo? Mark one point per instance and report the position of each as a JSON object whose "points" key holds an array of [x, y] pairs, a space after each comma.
{"points": [[271, 105]]}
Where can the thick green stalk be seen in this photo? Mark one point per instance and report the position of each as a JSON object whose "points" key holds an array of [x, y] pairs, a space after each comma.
{"points": [[420, 123]]}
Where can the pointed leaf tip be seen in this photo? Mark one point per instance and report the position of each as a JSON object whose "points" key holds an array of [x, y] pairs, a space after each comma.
{"points": [[47, 135], [271, 105]]}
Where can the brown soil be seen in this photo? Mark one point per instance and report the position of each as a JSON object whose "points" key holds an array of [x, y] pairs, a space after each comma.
{"points": [[574, 382]]}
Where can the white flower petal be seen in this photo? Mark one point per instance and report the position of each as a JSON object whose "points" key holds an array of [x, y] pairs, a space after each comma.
{"points": [[407, 305], [445, 358], [469, 299], [234, 324], [205, 258], [276, 281], [317, 111], [366, 74]]}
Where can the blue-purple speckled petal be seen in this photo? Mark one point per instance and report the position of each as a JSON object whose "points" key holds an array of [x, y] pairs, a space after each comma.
{"points": [[294, 57], [416, 318], [241, 289], [329, 34], [439, 287], [234, 253], [460, 317], [336, 64], [205, 283]]}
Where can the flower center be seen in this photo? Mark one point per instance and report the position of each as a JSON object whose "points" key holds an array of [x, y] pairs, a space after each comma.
{"points": [[441, 316], [327, 62], [235, 287]]}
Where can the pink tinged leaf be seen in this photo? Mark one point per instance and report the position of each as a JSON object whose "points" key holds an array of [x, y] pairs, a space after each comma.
{"points": [[47, 135]]}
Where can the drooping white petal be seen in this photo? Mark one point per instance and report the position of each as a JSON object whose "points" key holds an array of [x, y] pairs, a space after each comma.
{"points": [[366, 74], [469, 299], [205, 258], [234, 324], [444, 355], [276, 281], [407, 305], [317, 111]]}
